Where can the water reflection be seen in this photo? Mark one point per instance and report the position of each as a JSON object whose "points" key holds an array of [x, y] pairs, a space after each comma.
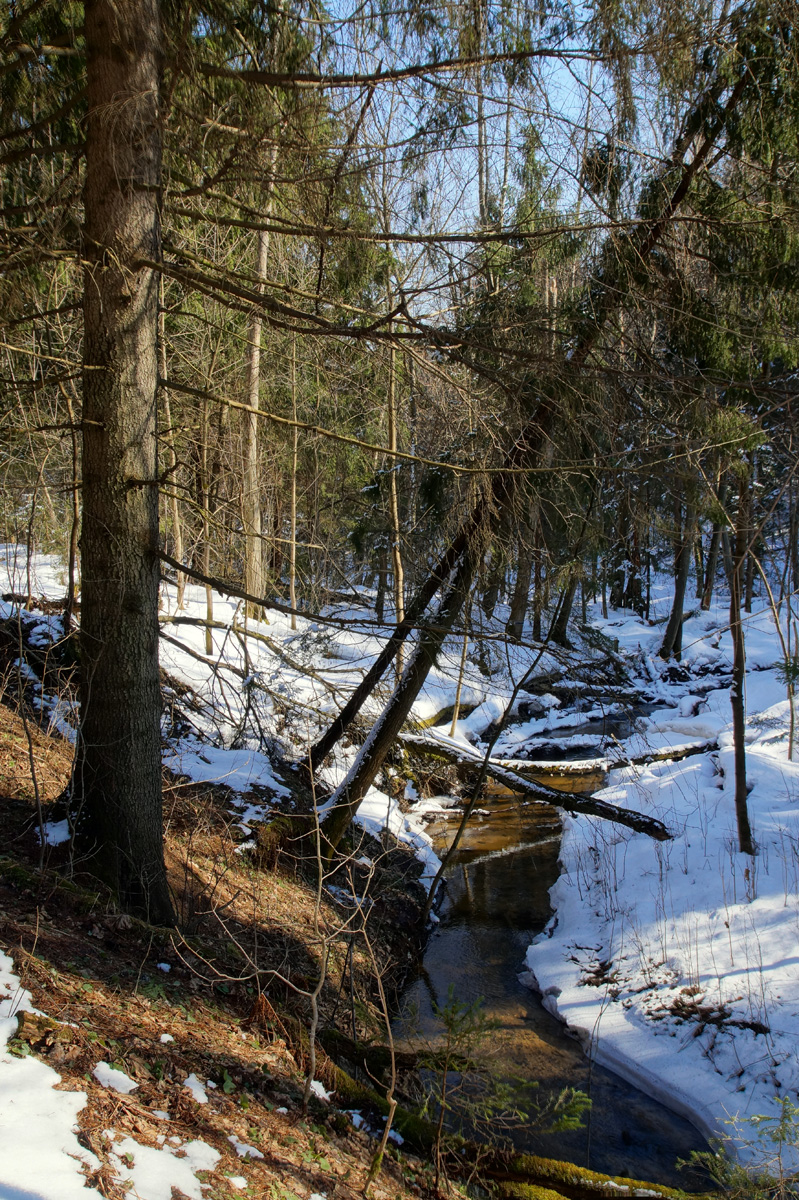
{"points": [[497, 900]]}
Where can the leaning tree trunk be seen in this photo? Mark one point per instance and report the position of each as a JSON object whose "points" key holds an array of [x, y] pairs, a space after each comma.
{"points": [[534, 444], [117, 774], [372, 755]]}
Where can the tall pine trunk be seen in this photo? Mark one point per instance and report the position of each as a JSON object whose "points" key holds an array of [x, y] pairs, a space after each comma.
{"points": [[117, 775]]}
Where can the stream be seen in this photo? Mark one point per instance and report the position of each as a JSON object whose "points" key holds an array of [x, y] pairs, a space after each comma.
{"points": [[496, 901]]}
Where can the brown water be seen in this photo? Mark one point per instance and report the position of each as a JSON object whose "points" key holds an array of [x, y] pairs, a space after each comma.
{"points": [[497, 900]]}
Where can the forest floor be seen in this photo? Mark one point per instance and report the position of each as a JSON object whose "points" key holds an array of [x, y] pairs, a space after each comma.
{"points": [[183, 1083]]}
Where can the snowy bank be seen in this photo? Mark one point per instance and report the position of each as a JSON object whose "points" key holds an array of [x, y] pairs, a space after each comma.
{"points": [[675, 962]]}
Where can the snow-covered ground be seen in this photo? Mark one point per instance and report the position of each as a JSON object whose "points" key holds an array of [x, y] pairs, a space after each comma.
{"points": [[40, 1155], [675, 961]]}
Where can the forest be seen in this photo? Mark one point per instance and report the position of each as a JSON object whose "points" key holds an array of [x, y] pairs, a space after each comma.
{"points": [[398, 471]]}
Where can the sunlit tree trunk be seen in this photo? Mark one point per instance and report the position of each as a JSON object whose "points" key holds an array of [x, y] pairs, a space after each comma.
{"points": [[117, 776], [393, 494]]}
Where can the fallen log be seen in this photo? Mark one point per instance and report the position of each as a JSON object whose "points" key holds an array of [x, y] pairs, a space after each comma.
{"points": [[569, 802]]}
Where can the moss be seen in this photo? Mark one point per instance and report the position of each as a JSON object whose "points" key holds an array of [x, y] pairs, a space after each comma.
{"points": [[527, 1191], [284, 831], [582, 1180], [15, 874]]}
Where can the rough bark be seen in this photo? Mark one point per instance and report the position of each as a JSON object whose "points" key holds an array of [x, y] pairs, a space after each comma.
{"points": [[117, 776]]}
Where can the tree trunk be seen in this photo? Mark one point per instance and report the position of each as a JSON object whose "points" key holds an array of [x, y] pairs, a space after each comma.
{"points": [[521, 590], [495, 578], [254, 575], [538, 586], [534, 444], [169, 439], [117, 776], [396, 549], [558, 632], [699, 563], [737, 690], [793, 539], [293, 499], [672, 638], [713, 554], [372, 754]]}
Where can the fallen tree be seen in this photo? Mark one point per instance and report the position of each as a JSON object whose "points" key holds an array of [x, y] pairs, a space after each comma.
{"points": [[569, 801]]}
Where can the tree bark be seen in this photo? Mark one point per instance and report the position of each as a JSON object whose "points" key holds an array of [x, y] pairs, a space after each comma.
{"points": [[117, 775], [713, 553], [672, 638], [737, 689]]}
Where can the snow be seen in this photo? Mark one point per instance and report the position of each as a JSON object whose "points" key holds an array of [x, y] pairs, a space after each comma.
{"points": [[40, 1156], [242, 1149], [155, 1172], [56, 832], [165, 1038], [193, 1085], [320, 1091], [110, 1077], [673, 961], [240, 770]]}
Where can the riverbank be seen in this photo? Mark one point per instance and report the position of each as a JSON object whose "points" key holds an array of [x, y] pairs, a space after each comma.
{"points": [[672, 961]]}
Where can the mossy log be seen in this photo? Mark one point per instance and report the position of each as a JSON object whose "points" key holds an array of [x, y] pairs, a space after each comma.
{"points": [[521, 1172]]}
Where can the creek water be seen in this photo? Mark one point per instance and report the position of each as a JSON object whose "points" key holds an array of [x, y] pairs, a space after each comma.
{"points": [[496, 901]]}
